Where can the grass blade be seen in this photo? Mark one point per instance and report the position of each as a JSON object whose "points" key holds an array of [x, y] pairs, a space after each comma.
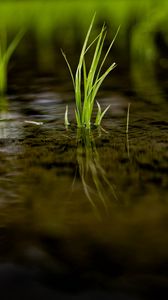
{"points": [[105, 57], [100, 114], [69, 67], [66, 117], [128, 116], [5, 55], [13, 45]]}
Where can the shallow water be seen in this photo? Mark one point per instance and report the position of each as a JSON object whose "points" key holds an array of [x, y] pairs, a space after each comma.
{"points": [[83, 214]]}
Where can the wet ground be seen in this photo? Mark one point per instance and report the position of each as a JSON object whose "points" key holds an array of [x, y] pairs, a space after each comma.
{"points": [[82, 214]]}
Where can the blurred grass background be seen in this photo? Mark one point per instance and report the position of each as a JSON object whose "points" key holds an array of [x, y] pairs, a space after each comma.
{"points": [[141, 46]]}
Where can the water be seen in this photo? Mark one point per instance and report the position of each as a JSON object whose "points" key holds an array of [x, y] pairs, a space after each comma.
{"points": [[82, 214]]}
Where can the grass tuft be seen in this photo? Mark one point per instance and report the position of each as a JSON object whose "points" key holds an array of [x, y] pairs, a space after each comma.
{"points": [[86, 83]]}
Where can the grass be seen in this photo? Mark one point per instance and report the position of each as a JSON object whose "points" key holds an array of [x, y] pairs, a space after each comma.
{"points": [[128, 117], [96, 185], [5, 55], [87, 83]]}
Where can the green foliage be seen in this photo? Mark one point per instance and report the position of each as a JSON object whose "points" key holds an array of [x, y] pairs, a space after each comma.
{"points": [[87, 83], [5, 55]]}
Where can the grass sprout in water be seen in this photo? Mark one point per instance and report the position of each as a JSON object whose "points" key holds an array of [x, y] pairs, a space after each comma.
{"points": [[86, 83], [96, 186], [6, 52]]}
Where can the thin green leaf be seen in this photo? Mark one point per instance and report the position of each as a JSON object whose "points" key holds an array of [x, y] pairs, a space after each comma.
{"points": [[13, 45], [85, 42], [69, 67], [91, 44], [105, 57], [100, 114], [78, 121], [96, 58], [98, 83]]}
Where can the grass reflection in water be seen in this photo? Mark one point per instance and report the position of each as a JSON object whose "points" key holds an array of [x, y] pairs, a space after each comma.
{"points": [[97, 188]]}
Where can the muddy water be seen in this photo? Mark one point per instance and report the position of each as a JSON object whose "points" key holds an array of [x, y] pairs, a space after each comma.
{"points": [[83, 213]]}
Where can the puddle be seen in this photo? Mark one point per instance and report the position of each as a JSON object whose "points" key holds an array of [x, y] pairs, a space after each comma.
{"points": [[85, 208]]}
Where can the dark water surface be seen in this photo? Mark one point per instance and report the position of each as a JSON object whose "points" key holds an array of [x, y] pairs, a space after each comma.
{"points": [[83, 214]]}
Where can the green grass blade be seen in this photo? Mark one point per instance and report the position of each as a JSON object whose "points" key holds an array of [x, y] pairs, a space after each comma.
{"points": [[5, 55], [105, 57], [100, 114], [84, 87], [69, 67], [11, 48], [78, 120], [88, 107], [3, 42], [91, 44], [85, 42], [96, 58], [78, 92], [84, 76], [78, 75], [101, 79], [128, 116]]}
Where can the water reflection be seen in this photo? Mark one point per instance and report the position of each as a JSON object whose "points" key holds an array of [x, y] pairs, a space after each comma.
{"points": [[97, 188], [3, 104], [9, 121], [3, 116], [8, 156]]}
